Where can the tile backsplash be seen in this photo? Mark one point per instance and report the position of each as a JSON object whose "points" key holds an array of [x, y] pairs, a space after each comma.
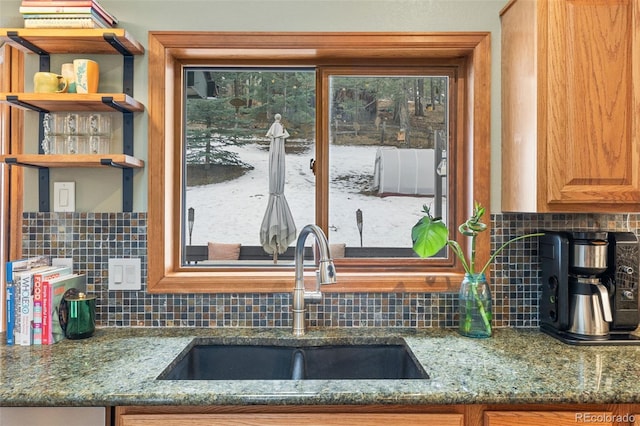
{"points": [[92, 238]]}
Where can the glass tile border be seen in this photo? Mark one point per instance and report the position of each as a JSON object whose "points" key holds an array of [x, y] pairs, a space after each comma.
{"points": [[92, 238]]}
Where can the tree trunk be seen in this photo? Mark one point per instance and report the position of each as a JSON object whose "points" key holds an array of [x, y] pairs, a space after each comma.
{"points": [[419, 93], [403, 115]]}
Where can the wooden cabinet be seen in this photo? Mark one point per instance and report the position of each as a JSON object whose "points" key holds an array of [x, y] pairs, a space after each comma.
{"points": [[571, 106], [44, 42], [441, 415], [546, 418], [299, 419]]}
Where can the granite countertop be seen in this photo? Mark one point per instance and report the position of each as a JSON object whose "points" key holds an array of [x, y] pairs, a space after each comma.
{"points": [[119, 366]]}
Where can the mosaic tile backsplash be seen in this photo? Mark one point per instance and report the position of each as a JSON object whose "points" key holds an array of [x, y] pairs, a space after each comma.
{"points": [[92, 238]]}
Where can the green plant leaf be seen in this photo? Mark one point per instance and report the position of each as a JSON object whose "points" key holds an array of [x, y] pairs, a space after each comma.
{"points": [[429, 236]]}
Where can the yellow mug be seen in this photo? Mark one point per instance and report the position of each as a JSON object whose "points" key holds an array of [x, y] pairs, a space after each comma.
{"points": [[49, 82], [87, 75]]}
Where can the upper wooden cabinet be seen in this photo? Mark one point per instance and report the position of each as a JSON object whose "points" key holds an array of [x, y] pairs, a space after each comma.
{"points": [[571, 106]]}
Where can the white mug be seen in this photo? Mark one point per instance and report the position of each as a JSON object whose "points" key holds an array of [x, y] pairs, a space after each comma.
{"points": [[87, 73], [70, 75]]}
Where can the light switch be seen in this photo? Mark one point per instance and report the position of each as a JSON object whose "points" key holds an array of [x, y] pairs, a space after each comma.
{"points": [[117, 274], [130, 274], [125, 274], [64, 196]]}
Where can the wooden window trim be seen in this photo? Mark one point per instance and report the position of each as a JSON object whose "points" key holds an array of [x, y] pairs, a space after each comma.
{"points": [[11, 179], [170, 51]]}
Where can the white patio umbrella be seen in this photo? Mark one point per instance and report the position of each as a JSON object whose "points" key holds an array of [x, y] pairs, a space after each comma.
{"points": [[278, 228]]}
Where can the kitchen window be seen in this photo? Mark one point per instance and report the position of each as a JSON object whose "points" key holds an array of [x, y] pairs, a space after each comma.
{"points": [[352, 75]]}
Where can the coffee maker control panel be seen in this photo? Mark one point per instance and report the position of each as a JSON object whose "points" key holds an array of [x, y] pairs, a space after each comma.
{"points": [[623, 270], [554, 301]]}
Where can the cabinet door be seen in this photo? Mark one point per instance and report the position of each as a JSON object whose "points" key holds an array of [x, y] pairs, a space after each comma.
{"points": [[299, 419], [546, 418], [593, 102]]}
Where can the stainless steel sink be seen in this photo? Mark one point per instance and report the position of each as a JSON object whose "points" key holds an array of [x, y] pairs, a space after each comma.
{"points": [[204, 361]]}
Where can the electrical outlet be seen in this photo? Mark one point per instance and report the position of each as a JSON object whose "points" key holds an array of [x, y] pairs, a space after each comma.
{"points": [[125, 274]]}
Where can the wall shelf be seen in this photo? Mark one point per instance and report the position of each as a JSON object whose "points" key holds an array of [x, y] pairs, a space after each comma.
{"points": [[52, 102], [46, 41], [71, 40], [71, 160]]}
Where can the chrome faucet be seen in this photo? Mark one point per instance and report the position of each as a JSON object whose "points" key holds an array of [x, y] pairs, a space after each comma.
{"points": [[325, 274]]}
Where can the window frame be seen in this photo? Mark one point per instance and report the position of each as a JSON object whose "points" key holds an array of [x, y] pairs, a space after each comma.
{"points": [[449, 68], [169, 52]]}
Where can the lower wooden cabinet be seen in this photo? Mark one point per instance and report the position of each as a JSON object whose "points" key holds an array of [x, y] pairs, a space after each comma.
{"points": [[302, 419], [385, 415], [547, 418]]}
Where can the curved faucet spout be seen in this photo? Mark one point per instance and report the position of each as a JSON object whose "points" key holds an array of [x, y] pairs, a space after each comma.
{"points": [[325, 274]]}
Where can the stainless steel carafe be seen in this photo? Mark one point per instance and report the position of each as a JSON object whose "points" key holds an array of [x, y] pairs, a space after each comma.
{"points": [[590, 308]]}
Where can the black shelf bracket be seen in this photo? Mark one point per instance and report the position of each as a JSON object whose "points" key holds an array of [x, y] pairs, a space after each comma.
{"points": [[43, 189], [13, 99], [109, 162], [43, 182], [13, 35], [44, 55], [127, 190], [127, 75], [127, 133], [127, 66], [127, 174], [12, 161], [115, 43], [108, 100], [45, 62]]}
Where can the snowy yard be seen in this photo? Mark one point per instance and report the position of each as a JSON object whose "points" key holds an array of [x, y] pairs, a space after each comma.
{"points": [[232, 211]]}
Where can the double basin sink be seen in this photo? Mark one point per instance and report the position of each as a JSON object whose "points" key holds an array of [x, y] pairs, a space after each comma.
{"points": [[256, 360]]}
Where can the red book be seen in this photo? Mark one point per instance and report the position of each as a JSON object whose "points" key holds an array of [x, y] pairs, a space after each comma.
{"points": [[38, 302], [46, 313]]}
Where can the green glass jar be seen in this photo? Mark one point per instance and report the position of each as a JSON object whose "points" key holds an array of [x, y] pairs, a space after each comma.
{"points": [[81, 316], [475, 306]]}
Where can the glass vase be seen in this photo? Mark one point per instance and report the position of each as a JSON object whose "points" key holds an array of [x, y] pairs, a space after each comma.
{"points": [[475, 306]]}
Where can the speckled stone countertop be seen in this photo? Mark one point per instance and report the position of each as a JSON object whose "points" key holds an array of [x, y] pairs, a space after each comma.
{"points": [[120, 366]]}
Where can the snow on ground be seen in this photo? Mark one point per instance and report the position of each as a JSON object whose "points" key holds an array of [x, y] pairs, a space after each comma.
{"points": [[232, 211]]}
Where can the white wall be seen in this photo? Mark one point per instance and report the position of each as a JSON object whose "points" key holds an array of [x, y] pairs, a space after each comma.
{"points": [[141, 16]]}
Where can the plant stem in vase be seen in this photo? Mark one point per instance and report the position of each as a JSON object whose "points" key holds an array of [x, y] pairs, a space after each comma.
{"points": [[475, 306]]}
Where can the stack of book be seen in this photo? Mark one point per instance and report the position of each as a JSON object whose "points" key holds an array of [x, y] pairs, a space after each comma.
{"points": [[34, 292], [65, 14]]}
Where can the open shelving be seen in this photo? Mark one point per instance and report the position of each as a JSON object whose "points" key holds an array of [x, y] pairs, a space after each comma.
{"points": [[45, 42]]}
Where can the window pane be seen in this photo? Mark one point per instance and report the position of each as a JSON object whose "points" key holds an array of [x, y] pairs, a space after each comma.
{"points": [[384, 160], [227, 151]]}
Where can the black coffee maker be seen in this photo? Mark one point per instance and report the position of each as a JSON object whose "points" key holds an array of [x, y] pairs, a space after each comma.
{"points": [[589, 292]]}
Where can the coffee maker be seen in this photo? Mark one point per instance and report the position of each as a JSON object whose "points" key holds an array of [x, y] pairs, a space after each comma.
{"points": [[589, 292]]}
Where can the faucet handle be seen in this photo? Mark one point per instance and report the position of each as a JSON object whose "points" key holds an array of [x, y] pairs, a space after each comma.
{"points": [[313, 296]]}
